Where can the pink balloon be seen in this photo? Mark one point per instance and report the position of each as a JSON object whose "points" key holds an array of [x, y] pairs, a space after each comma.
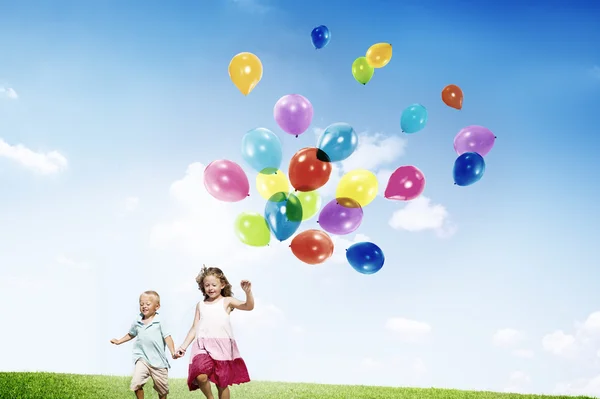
{"points": [[474, 138], [226, 181], [405, 184]]}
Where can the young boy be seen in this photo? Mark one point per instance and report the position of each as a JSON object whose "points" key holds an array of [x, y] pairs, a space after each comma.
{"points": [[149, 348]]}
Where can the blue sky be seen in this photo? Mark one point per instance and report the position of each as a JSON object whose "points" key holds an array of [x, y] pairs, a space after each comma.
{"points": [[118, 107]]}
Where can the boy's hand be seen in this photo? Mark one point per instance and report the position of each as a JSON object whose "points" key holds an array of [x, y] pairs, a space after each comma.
{"points": [[179, 353], [115, 341], [246, 286]]}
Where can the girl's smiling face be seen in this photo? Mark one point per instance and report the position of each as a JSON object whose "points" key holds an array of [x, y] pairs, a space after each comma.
{"points": [[212, 287]]}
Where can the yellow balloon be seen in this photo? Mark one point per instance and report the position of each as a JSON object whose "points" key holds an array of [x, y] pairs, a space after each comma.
{"points": [[360, 185], [245, 71], [272, 182], [378, 55]]}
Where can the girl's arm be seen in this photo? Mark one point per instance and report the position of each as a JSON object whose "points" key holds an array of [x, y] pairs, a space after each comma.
{"points": [[192, 333], [249, 304]]}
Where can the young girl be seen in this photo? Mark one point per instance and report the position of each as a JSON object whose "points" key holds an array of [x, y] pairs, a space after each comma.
{"points": [[215, 356]]}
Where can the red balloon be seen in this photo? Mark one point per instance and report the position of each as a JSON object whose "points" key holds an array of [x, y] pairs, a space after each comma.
{"points": [[312, 246], [309, 169]]}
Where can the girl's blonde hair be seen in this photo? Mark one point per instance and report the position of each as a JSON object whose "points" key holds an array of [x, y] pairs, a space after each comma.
{"points": [[217, 273]]}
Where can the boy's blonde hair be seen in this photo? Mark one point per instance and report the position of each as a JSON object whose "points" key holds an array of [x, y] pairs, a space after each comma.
{"points": [[152, 293]]}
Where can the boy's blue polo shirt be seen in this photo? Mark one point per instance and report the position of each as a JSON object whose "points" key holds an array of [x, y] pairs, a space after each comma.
{"points": [[150, 343]]}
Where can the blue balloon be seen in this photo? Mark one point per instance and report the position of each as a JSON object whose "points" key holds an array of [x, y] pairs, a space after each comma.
{"points": [[365, 257], [338, 141], [283, 213], [320, 36], [468, 169], [413, 119], [261, 149]]}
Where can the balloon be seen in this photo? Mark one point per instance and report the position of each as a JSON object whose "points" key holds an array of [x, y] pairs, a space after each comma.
{"points": [[252, 229], [359, 185], [405, 184], [320, 36], [271, 181], [362, 71], [309, 169], [312, 246], [338, 141], [378, 55], [226, 181], [245, 71], [452, 96], [293, 113], [341, 216], [468, 169], [413, 119], [283, 213], [311, 203], [261, 148], [477, 139], [365, 257]]}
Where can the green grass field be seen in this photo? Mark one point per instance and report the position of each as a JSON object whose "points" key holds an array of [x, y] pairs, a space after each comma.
{"points": [[71, 386]]}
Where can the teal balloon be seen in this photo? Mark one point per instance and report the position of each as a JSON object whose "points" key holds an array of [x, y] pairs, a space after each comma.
{"points": [[338, 141], [283, 213], [261, 149], [413, 119]]}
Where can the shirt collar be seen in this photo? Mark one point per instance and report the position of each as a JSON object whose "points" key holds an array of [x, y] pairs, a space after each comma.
{"points": [[156, 318]]}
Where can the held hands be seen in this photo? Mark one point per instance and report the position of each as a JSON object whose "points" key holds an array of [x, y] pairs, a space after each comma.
{"points": [[179, 353], [246, 286]]}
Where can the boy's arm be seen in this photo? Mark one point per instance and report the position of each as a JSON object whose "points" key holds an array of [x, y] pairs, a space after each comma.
{"points": [[170, 345], [127, 337]]}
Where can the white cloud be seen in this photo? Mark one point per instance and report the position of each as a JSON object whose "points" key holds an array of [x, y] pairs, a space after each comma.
{"points": [[518, 382], [507, 337], [560, 344], [420, 214], [341, 244], [583, 341], [523, 353], [43, 163], [131, 203], [408, 330], [9, 92], [581, 386]]}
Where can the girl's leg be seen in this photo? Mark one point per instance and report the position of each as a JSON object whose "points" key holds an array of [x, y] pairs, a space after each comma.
{"points": [[223, 392], [204, 386]]}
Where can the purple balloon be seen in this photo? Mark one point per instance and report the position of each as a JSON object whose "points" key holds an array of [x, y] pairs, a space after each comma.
{"points": [[341, 216], [474, 138], [293, 113]]}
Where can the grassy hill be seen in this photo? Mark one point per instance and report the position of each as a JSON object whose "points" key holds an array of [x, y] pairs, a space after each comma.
{"points": [[72, 386]]}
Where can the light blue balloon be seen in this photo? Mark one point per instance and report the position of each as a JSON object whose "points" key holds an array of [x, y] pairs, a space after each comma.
{"points": [[413, 119], [338, 141], [261, 148], [283, 213]]}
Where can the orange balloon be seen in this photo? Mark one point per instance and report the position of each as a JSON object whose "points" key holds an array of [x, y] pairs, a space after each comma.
{"points": [[309, 169], [452, 96], [312, 246]]}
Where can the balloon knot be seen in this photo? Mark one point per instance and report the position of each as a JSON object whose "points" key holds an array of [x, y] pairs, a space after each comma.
{"points": [[289, 246], [455, 183], [296, 136], [248, 195], [495, 137], [317, 221]]}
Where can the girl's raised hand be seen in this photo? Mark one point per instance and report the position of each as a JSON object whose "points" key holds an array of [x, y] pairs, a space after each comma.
{"points": [[246, 286]]}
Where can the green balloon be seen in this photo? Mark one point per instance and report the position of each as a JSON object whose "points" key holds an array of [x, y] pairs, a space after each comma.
{"points": [[362, 71], [311, 203], [252, 229]]}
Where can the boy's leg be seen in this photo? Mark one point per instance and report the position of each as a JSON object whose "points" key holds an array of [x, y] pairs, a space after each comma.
{"points": [[223, 392], [204, 386], [161, 381], [141, 373]]}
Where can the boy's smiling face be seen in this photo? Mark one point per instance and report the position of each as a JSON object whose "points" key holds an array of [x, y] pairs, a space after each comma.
{"points": [[148, 305], [212, 286]]}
